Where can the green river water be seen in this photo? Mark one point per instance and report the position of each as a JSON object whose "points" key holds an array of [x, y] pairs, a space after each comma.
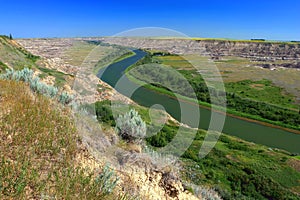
{"points": [[249, 131]]}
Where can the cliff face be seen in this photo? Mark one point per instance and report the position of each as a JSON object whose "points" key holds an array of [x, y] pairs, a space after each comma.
{"points": [[255, 51], [263, 50]]}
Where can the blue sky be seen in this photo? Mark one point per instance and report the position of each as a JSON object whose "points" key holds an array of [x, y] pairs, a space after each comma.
{"points": [[274, 20]]}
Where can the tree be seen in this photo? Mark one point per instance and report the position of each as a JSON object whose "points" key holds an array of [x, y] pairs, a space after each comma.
{"points": [[10, 37], [131, 127]]}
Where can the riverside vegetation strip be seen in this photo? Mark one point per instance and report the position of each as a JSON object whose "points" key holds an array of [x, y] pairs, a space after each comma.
{"points": [[243, 99]]}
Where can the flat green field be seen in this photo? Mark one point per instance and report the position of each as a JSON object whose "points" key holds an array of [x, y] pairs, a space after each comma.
{"points": [[78, 52], [281, 84], [238, 69], [89, 54]]}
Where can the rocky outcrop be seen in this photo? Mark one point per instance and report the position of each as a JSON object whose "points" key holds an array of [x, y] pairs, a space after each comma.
{"points": [[255, 50], [262, 51], [268, 52]]}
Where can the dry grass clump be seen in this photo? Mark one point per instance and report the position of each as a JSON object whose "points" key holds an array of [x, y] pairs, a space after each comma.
{"points": [[38, 149]]}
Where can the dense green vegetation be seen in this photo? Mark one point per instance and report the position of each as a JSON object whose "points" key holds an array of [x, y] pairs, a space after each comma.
{"points": [[254, 99], [236, 169], [2, 67], [262, 90]]}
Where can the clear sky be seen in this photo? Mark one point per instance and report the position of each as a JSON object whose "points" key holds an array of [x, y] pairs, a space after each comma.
{"points": [[240, 19]]}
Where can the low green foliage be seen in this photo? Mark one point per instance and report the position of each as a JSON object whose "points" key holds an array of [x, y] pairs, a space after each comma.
{"points": [[65, 98], [130, 126], [41, 88], [107, 180], [22, 75], [26, 75], [32, 57], [262, 90], [60, 78], [236, 169], [104, 112], [3, 66]]}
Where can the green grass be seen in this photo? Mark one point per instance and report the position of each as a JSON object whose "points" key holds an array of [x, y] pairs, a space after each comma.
{"points": [[262, 90], [124, 56], [60, 77], [245, 88], [235, 69], [2, 67], [15, 55]]}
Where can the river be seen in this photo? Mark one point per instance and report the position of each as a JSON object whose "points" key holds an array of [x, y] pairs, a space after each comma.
{"points": [[249, 131]]}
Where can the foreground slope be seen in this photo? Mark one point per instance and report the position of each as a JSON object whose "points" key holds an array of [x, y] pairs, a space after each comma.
{"points": [[39, 146]]}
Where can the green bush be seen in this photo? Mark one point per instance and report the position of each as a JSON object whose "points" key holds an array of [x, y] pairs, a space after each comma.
{"points": [[163, 137], [104, 112], [26, 75], [41, 88], [107, 180], [65, 98], [131, 127]]}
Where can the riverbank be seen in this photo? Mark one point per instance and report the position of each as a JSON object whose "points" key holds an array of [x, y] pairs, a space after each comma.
{"points": [[246, 129], [218, 109], [230, 164]]}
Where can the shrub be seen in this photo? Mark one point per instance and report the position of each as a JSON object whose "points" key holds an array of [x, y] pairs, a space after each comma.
{"points": [[130, 126], [104, 112], [65, 98], [8, 75], [107, 180], [23, 75], [39, 87], [26, 75]]}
